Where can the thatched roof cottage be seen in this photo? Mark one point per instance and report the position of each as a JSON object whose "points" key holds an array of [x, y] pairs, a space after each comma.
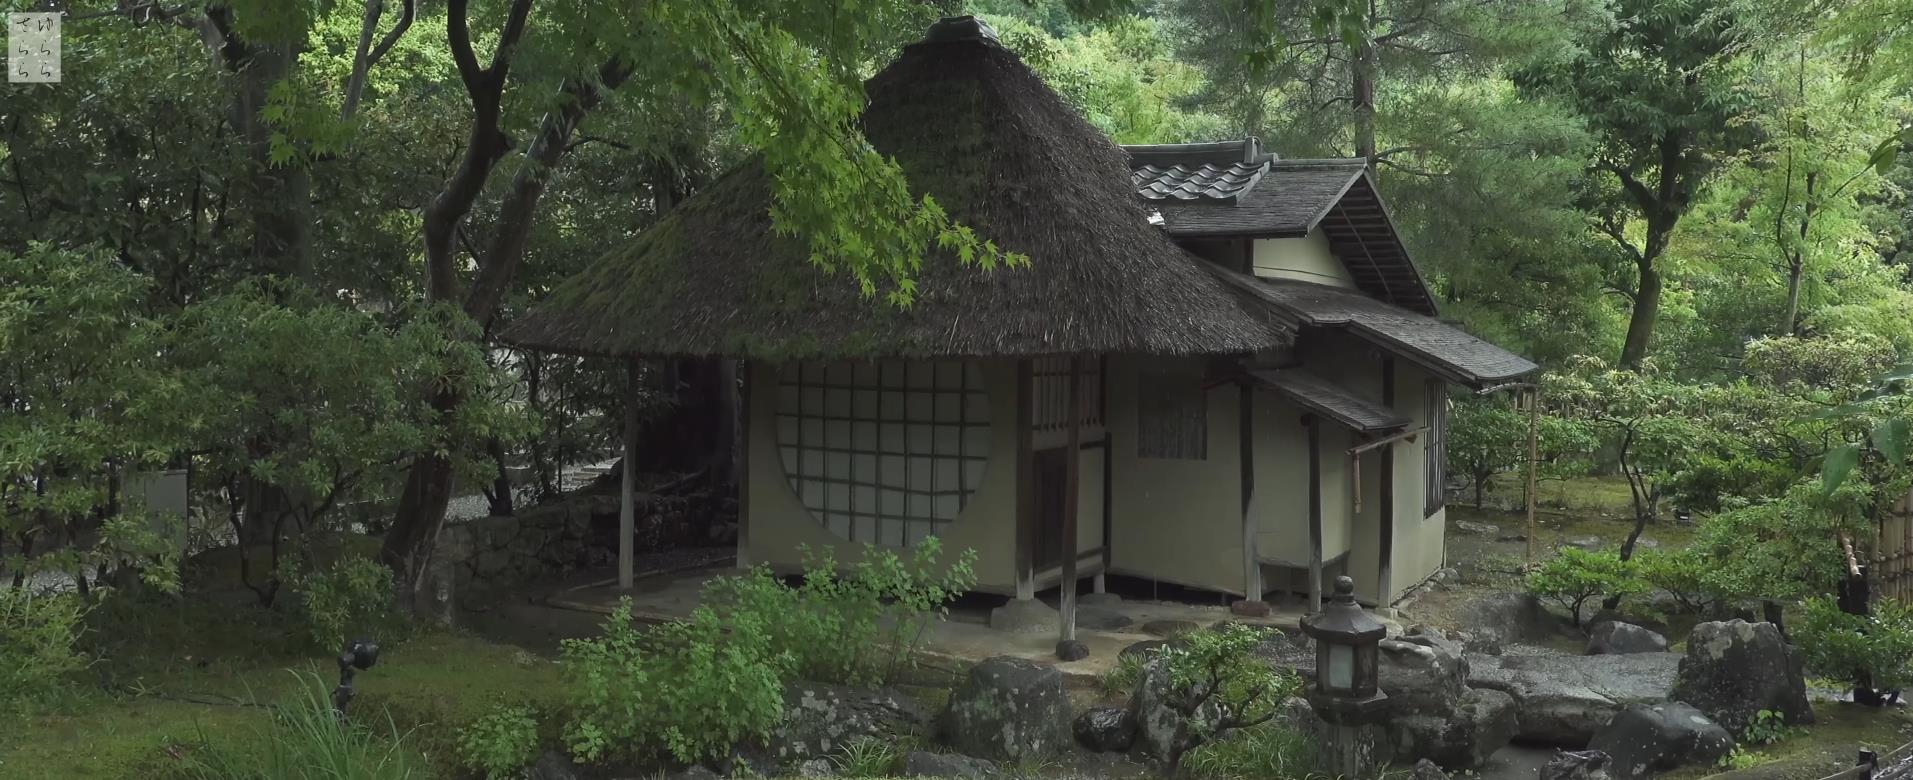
{"points": [[1245, 336]]}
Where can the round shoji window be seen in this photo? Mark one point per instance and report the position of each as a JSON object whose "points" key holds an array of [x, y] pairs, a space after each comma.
{"points": [[886, 453]]}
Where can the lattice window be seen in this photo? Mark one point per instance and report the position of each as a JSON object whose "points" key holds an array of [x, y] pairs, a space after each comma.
{"points": [[1172, 417], [1435, 447], [884, 453], [1049, 391]]}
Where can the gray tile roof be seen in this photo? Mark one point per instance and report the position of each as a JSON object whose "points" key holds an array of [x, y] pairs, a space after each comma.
{"points": [[1442, 348], [1206, 181], [1338, 403], [1291, 198]]}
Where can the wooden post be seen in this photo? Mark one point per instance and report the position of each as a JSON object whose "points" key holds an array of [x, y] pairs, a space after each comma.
{"points": [[1385, 540], [628, 484], [1315, 512], [1868, 762], [1245, 445], [1072, 483], [1025, 486], [1534, 457]]}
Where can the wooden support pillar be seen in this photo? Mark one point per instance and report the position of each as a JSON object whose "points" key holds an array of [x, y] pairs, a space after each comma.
{"points": [[1315, 512], [1245, 447], [1384, 583], [628, 482], [1025, 486], [1072, 484], [1534, 421]]}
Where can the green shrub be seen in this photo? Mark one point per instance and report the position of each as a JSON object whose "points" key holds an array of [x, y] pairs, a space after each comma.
{"points": [[351, 599], [1873, 651], [37, 650], [1576, 576], [686, 688], [1767, 727], [866, 757], [1263, 751], [304, 740], [1121, 679], [862, 628], [1683, 574], [1738, 759], [1218, 685], [501, 743]]}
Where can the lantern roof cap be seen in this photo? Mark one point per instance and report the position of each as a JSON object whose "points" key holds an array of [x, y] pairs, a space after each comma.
{"points": [[1342, 621]]}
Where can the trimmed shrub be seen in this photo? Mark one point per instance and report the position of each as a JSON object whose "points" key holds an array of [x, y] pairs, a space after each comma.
{"points": [[1575, 576]]}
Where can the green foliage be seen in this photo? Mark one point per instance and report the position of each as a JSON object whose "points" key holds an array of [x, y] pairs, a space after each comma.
{"points": [[1121, 679], [1574, 577], [351, 599], [304, 740], [501, 743], [1487, 437], [867, 757], [689, 689], [859, 628], [1875, 651], [1781, 549], [1218, 685], [1738, 759], [1263, 751], [1768, 727], [1683, 574], [38, 644]]}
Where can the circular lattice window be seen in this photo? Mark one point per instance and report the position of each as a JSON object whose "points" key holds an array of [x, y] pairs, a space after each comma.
{"points": [[885, 453]]}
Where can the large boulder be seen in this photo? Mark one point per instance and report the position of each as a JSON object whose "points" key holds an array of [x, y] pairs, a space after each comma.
{"points": [[1422, 672], [1733, 670], [1575, 765], [1563, 700], [1510, 616], [1156, 721], [1105, 729], [820, 719], [1008, 709], [1646, 739], [1482, 722], [949, 766], [1613, 637]]}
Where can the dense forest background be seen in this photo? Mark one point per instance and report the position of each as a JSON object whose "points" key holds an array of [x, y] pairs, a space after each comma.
{"points": [[273, 240]]}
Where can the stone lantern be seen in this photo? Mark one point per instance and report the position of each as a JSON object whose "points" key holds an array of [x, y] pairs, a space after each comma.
{"points": [[1346, 693]]}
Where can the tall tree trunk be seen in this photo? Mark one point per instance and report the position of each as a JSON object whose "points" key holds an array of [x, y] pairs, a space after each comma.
{"points": [[1797, 263], [1363, 74], [278, 196], [1647, 309]]}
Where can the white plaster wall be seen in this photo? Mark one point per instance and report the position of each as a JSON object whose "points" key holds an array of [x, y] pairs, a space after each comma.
{"points": [[1306, 259], [1177, 521]]}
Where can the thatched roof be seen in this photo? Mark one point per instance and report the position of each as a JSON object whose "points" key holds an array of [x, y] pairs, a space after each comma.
{"points": [[1233, 189], [972, 125]]}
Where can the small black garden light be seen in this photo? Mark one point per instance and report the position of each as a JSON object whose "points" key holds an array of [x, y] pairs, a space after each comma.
{"points": [[358, 656], [1346, 691]]}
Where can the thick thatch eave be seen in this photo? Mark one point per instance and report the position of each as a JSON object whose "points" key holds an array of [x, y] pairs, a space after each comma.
{"points": [[973, 126]]}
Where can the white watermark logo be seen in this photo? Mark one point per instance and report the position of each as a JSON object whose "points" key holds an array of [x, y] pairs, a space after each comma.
{"points": [[33, 47]]}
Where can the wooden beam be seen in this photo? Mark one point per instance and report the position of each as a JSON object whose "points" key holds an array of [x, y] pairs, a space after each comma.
{"points": [[1109, 461], [1025, 485], [1386, 539], [1315, 511], [628, 479], [1245, 446], [1072, 484]]}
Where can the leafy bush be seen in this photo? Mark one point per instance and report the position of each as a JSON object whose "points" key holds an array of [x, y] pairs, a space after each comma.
{"points": [[1261, 751], [347, 600], [1871, 651], [501, 743], [1767, 727], [866, 757], [1575, 576], [305, 741], [1738, 759], [855, 629], [37, 636], [1683, 574], [1121, 679], [687, 688], [1218, 685]]}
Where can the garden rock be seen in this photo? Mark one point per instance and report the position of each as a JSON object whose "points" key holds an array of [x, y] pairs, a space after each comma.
{"points": [[1101, 619], [820, 719], [1733, 670], [1372, 746], [1575, 765], [1515, 617], [1613, 637], [1422, 672], [1145, 648], [1008, 709], [1644, 740], [553, 765], [1427, 770], [1478, 529], [922, 763], [1564, 699], [1025, 616], [817, 767], [1169, 629], [1071, 650], [1105, 729], [1482, 722]]}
